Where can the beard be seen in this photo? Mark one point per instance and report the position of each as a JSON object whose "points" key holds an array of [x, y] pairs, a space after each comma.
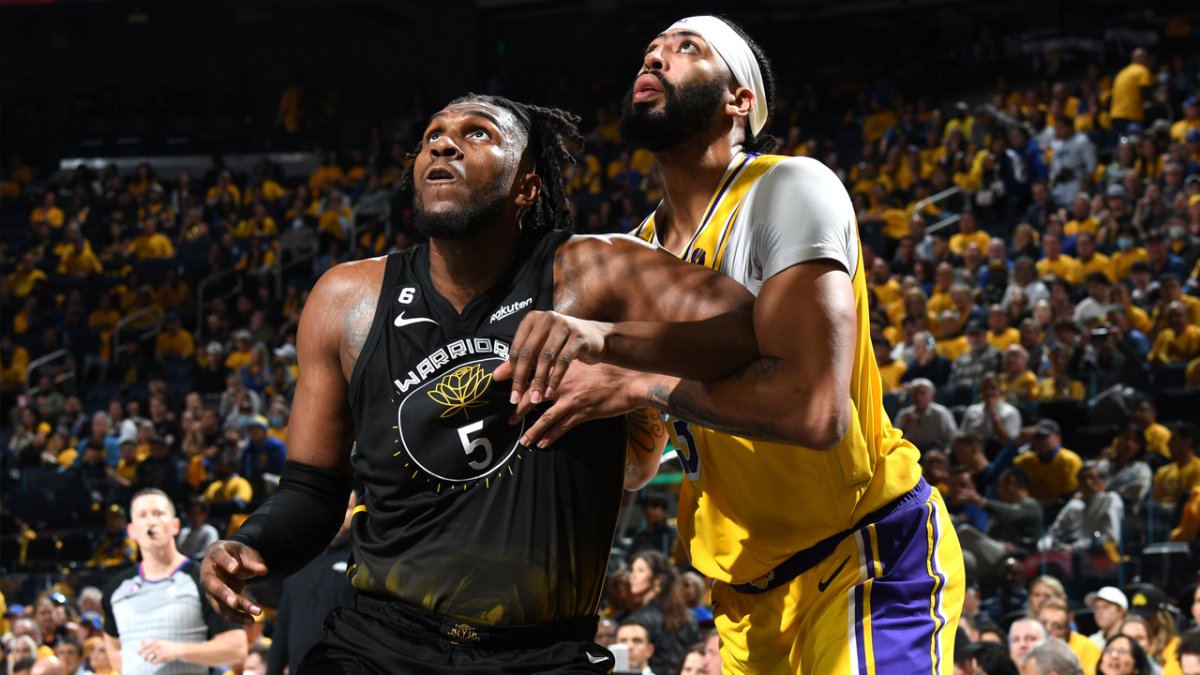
{"points": [[687, 110], [481, 208]]}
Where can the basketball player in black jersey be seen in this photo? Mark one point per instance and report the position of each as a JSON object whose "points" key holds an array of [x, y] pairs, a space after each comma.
{"points": [[472, 552]]}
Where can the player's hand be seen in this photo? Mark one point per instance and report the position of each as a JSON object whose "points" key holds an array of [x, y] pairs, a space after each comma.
{"points": [[543, 349], [587, 392], [158, 651], [223, 574]]}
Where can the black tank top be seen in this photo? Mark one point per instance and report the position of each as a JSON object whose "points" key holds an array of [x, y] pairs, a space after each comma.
{"points": [[460, 519]]}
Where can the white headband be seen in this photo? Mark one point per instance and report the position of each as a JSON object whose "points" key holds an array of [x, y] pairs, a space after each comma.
{"points": [[737, 55]]}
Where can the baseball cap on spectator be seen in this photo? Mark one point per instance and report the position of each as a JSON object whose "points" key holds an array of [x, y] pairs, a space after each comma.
{"points": [[1191, 101], [127, 436], [118, 509], [242, 334], [1116, 191], [975, 327], [215, 348], [1193, 135], [1109, 594], [92, 619], [287, 351], [14, 610], [1046, 427], [1146, 599], [255, 421]]}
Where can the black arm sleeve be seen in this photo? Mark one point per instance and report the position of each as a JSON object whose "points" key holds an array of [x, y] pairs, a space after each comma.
{"points": [[296, 523]]}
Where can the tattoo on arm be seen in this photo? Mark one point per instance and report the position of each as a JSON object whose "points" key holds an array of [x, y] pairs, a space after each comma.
{"points": [[645, 433], [645, 429], [631, 468], [356, 326], [686, 406]]}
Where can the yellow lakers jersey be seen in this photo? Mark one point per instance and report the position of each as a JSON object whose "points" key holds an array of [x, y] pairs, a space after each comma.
{"points": [[748, 505]]}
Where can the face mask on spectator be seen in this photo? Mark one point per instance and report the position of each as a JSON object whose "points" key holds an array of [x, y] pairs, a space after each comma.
{"points": [[1124, 243]]}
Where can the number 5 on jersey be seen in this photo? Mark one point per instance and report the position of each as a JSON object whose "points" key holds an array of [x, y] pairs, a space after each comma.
{"points": [[470, 446]]}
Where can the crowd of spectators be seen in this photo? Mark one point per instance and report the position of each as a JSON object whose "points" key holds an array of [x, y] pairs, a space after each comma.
{"points": [[1033, 266]]}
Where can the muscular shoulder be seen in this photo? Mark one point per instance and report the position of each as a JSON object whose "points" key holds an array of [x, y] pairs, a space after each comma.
{"points": [[349, 278], [587, 267], [584, 248], [340, 309], [800, 211], [803, 179]]}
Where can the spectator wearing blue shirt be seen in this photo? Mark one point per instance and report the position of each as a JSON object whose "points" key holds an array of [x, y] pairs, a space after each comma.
{"points": [[964, 511], [1162, 261], [262, 456], [926, 362]]}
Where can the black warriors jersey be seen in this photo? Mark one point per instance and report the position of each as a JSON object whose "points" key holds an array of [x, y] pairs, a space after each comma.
{"points": [[457, 517]]}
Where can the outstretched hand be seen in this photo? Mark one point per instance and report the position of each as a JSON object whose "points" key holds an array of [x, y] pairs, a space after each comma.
{"points": [[587, 392], [543, 349], [227, 567]]}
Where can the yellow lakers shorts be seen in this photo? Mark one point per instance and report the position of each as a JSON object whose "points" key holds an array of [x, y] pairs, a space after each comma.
{"points": [[887, 600]]}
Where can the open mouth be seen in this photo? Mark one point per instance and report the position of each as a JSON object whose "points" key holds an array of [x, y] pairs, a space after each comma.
{"points": [[440, 174], [646, 87]]}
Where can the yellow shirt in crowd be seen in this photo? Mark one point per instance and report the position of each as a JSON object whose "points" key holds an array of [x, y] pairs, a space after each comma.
{"points": [[1127, 92], [1053, 479]]}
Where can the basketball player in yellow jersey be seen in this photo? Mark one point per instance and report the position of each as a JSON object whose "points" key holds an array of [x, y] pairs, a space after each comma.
{"points": [[829, 551]]}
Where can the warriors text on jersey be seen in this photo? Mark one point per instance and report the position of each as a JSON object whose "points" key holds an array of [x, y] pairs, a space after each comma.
{"points": [[457, 516], [785, 497]]}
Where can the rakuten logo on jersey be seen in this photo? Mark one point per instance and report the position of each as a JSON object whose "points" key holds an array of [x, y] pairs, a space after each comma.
{"points": [[509, 310]]}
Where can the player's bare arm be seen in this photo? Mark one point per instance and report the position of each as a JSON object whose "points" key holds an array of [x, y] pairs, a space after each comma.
{"points": [[647, 437], [697, 323], [795, 391], [333, 329]]}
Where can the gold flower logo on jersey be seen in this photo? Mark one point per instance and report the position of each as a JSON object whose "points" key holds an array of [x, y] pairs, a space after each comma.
{"points": [[461, 390]]}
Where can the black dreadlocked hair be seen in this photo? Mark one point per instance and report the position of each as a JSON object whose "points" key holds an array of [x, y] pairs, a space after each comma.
{"points": [[760, 143], [552, 133]]}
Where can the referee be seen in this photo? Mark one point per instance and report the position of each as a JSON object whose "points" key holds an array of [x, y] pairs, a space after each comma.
{"points": [[154, 618]]}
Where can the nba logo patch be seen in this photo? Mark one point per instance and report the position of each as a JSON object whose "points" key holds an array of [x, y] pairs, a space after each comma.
{"points": [[698, 256]]}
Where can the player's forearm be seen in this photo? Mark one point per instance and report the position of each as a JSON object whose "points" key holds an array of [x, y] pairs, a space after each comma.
{"points": [[647, 437], [296, 523], [763, 400], [224, 649], [703, 350]]}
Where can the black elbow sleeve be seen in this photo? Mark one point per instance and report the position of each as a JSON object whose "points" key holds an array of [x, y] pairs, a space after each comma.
{"points": [[296, 523]]}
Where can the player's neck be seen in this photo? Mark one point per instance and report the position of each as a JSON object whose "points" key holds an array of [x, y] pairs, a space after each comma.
{"points": [[462, 269], [691, 173], [159, 562]]}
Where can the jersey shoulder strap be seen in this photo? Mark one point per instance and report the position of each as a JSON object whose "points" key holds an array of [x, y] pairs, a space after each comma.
{"points": [[708, 244]]}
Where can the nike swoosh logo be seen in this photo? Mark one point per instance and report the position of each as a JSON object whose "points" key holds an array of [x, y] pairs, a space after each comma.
{"points": [[596, 659], [402, 322], [822, 585]]}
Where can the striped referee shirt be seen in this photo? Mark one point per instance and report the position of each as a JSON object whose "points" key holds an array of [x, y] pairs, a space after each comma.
{"points": [[172, 609]]}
